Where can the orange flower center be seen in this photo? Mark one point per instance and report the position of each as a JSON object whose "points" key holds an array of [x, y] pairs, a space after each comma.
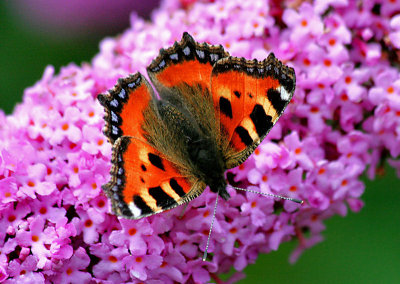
{"points": [[88, 223], [327, 62], [101, 203], [132, 231], [11, 218], [164, 264]]}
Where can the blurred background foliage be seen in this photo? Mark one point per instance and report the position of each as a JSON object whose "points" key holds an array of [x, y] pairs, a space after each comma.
{"points": [[360, 248]]}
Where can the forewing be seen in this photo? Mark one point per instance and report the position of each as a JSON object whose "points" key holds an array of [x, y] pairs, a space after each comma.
{"points": [[185, 63], [144, 182], [125, 105], [249, 96]]}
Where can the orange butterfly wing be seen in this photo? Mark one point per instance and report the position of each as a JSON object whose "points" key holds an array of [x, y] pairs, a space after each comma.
{"points": [[143, 181], [249, 96]]}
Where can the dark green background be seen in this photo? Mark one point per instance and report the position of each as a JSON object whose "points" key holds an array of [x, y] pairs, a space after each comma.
{"points": [[360, 248]]}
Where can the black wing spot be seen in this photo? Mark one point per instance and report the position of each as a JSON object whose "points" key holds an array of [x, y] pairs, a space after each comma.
{"points": [[287, 83], [250, 95], [139, 202], [244, 135], [163, 200], [225, 107], [275, 98], [156, 161], [261, 120], [143, 167], [237, 94], [176, 187], [142, 180]]}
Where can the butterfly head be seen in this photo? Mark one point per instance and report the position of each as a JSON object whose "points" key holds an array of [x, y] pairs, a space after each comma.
{"points": [[220, 189]]}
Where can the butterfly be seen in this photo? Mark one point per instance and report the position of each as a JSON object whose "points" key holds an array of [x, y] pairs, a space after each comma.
{"points": [[212, 112]]}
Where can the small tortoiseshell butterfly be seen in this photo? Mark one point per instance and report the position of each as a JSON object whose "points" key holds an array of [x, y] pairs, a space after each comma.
{"points": [[213, 111]]}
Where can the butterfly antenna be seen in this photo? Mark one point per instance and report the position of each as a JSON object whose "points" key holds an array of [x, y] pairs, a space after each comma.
{"points": [[269, 194], [209, 233]]}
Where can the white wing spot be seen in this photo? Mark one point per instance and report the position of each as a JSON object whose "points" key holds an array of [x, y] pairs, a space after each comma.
{"points": [[135, 210], [162, 64], [284, 94], [114, 103], [200, 53], [114, 117], [214, 57], [114, 129], [186, 50], [122, 94]]}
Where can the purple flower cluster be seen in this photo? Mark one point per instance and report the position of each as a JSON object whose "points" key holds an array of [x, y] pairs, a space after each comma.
{"points": [[343, 121]]}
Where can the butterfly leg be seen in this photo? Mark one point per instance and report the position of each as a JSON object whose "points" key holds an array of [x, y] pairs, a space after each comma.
{"points": [[183, 211]]}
